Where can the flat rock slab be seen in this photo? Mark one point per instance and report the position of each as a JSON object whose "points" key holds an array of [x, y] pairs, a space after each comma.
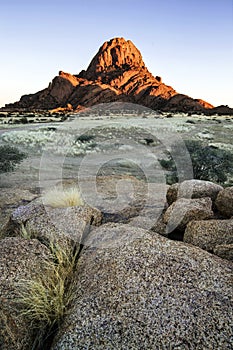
{"points": [[148, 293]]}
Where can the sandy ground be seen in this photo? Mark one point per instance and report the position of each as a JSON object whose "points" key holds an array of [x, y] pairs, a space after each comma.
{"points": [[128, 146]]}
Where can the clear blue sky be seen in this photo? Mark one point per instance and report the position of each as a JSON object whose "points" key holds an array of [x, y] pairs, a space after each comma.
{"points": [[187, 42]]}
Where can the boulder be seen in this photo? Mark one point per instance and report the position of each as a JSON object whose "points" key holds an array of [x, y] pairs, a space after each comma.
{"points": [[64, 225], [123, 198], [224, 202], [209, 234], [160, 227], [20, 259], [58, 225], [184, 210], [11, 198], [129, 191], [193, 189], [147, 293], [225, 251]]}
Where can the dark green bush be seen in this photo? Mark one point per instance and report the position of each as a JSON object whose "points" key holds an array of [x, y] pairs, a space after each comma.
{"points": [[9, 158], [85, 138], [209, 163], [24, 120]]}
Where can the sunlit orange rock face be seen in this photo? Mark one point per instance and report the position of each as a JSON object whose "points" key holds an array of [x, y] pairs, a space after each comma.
{"points": [[116, 73], [114, 55]]}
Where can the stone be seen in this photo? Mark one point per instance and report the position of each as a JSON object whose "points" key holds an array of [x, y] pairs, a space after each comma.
{"points": [[160, 226], [193, 189], [20, 259], [209, 234], [10, 199], [124, 198], [147, 293], [225, 251], [184, 210], [64, 224], [58, 225], [224, 202]]}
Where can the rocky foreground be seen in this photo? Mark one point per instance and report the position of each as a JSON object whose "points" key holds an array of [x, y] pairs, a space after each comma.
{"points": [[132, 288], [117, 73]]}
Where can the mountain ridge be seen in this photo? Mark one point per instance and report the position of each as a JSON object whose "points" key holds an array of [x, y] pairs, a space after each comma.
{"points": [[116, 73]]}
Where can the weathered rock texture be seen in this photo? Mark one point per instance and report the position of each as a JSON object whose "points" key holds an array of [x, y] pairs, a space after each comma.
{"points": [[193, 189], [116, 73], [208, 234], [225, 251], [184, 210], [133, 288], [58, 225], [147, 293], [224, 202]]}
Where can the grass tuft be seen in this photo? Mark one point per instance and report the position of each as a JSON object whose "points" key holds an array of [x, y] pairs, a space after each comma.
{"points": [[24, 232], [63, 198], [44, 300]]}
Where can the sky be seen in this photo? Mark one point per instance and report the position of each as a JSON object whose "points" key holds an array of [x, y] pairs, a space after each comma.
{"points": [[189, 43]]}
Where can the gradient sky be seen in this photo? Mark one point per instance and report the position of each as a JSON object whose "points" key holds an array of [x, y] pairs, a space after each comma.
{"points": [[188, 43]]}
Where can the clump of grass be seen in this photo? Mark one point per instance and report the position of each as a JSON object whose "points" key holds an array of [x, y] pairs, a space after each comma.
{"points": [[24, 232], [62, 198], [44, 300]]}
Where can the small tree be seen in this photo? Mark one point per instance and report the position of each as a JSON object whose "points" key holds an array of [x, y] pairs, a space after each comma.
{"points": [[9, 158], [209, 163]]}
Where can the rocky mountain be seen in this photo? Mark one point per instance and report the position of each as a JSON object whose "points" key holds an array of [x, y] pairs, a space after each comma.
{"points": [[116, 73]]}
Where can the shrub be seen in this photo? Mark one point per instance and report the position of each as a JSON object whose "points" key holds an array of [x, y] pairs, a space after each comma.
{"points": [[23, 120], [9, 157], [85, 138], [209, 163], [62, 198]]}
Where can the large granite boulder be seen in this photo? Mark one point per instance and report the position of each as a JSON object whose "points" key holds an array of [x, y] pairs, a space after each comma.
{"points": [[184, 210], [209, 234], [20, 259], [224, 202], [193, 189], [135, 290]]}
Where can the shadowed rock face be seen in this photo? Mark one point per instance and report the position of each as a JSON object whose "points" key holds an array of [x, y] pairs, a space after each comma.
{"points": [[116, 73]]}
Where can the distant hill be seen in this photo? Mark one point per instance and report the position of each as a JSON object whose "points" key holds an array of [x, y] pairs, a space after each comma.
{"points": [[116, 73]]}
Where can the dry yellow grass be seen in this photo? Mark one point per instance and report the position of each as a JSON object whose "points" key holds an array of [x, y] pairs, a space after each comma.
{"points": [[63, 198], [44, 300], [24, 232]]}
